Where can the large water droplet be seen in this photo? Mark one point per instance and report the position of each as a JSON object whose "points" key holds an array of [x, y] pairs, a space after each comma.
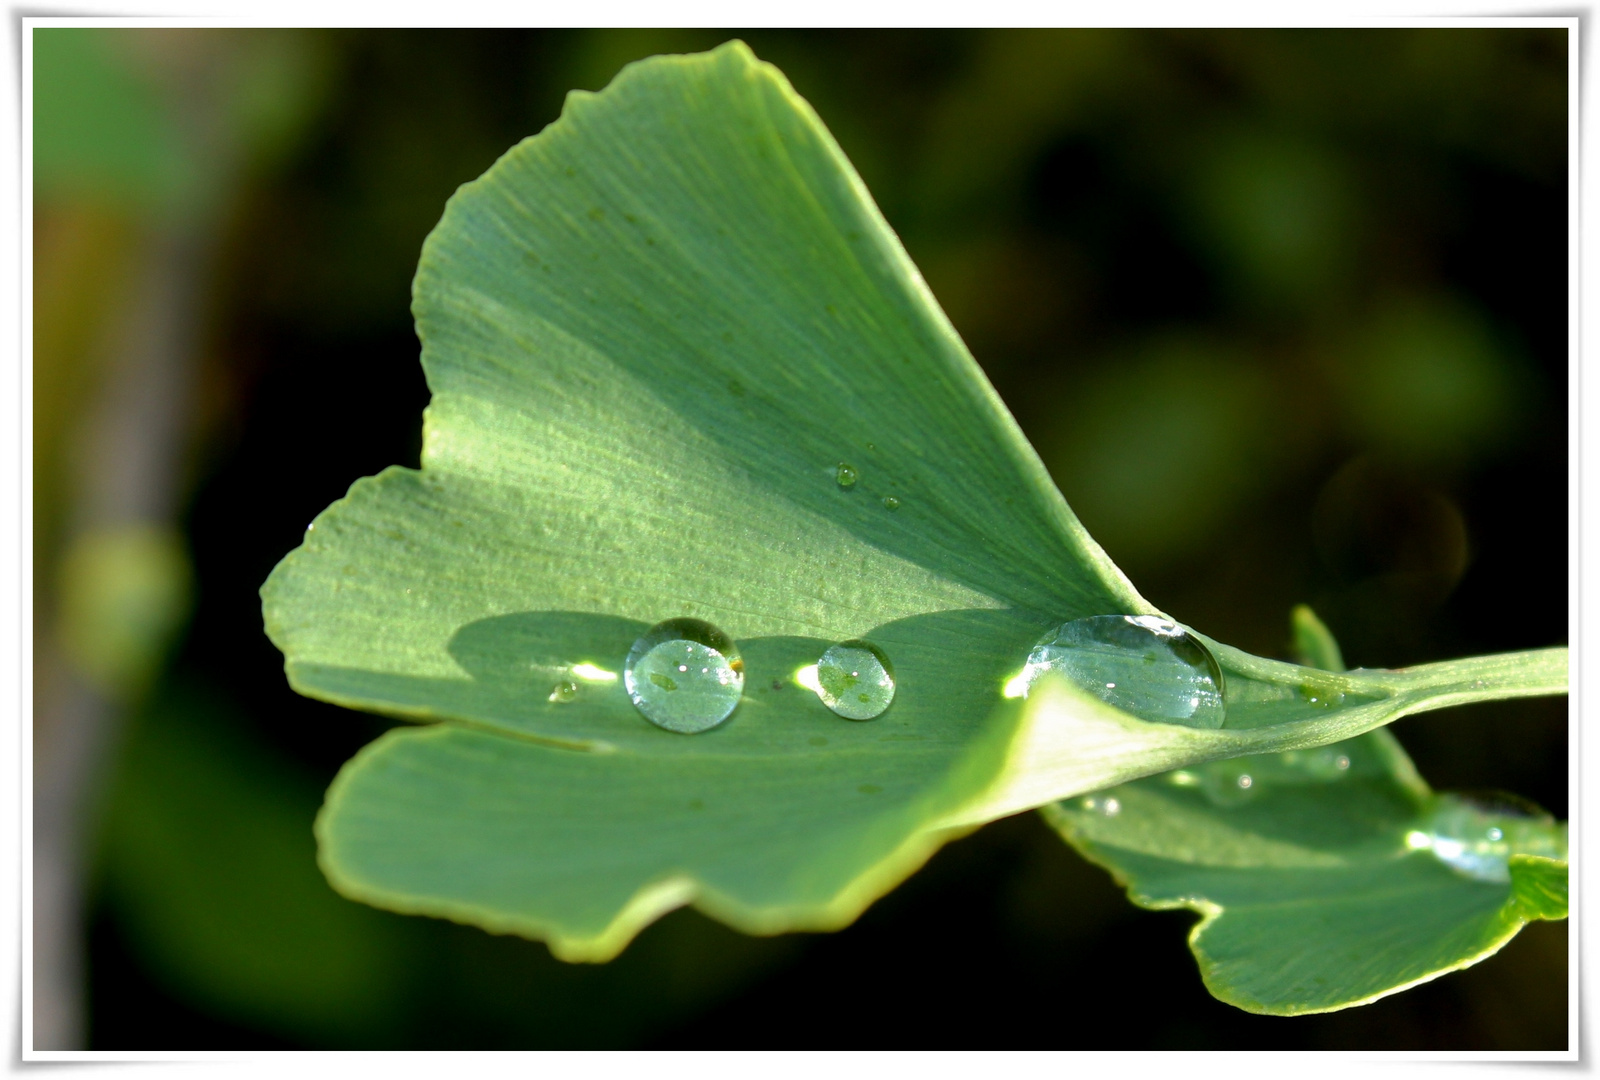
{"points": [[1476, 835], [1142, 664], [855, 680], [684, 675], [846, 475]]}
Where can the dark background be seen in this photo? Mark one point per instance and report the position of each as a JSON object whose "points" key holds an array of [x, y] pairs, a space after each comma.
{"points": [[1284, 312]]}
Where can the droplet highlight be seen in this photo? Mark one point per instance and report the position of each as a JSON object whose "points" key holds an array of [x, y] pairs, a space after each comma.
{"points": [[846, 475], [855, 680], [684, 675], [1145, 665], [564, 691], [891, 503]]}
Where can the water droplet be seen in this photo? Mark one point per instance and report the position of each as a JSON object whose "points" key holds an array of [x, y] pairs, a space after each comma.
{"points": [[855, 680], [1320, 696], [891, 503], [565, 690], [1111, 807], [1341, 762], [1142, 664], [658, 677], [846, 475], [1476, 834], [1244, 780]]}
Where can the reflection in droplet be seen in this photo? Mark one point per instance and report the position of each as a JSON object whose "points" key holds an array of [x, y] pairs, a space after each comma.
{"points": [[855, 680], [1142, 664], [1477, 835], [684, 675], [846, 475], [565, 690]]}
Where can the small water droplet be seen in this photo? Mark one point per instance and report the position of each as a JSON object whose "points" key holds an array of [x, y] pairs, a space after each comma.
{"points": [[846, 475], [565, 690], [871, 447], [1476, 834], [1161, 672], [1244, 780], [891, 503], [1320, 696], [1111, 807], [855, 680], [778, 684], [693, 701], [1341, 762]]}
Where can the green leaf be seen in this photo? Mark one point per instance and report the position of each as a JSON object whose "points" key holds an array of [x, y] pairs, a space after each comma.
{"points": [[1314, 894], [654, 334], [1314, 643], [1326, 877]]}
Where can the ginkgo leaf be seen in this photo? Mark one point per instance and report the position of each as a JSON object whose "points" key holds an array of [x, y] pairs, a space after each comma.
{"points": [[682, 368], [1326, 878]]}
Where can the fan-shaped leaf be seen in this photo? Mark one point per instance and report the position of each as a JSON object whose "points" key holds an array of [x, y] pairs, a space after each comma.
{"points": [[654, 334]]}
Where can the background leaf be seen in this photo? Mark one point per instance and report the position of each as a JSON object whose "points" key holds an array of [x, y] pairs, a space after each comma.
{"points": [[1327, 877]]}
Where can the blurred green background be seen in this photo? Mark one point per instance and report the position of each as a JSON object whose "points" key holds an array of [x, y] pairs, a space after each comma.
{"points": [[1284, 312]]}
